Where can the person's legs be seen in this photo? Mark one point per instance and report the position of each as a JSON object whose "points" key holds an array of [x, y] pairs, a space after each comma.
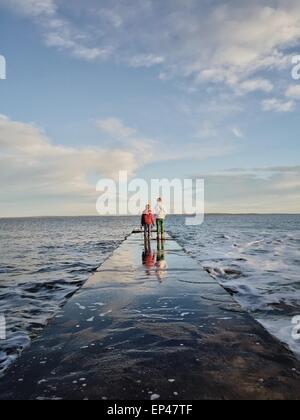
{"points": [[162, 228], [158, 226], [148, 231], [160, 223]]}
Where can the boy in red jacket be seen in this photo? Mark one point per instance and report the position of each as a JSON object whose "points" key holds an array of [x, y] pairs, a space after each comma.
{"points": [[148, 221]]}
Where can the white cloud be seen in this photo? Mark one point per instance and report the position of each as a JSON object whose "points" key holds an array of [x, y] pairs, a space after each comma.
{"points": [[257, 190], [238, 133], [111, 16], [127, 137], [210, 130], [210, 140], [293, 91], [115, 127], [253, 85], [33, 168], [58, 31], [42, 178], [32, 7], [278, 105], [207, 130], [144, 60], [233, 43]]}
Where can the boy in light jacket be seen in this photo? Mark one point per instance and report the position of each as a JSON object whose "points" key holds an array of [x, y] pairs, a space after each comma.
{"points": [[160, 214]]}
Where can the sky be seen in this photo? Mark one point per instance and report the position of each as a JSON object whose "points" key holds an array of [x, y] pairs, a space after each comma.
{"points": [[161, 89]]}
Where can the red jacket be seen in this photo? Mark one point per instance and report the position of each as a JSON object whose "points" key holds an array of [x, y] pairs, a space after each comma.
{"points": [[148, 218]]}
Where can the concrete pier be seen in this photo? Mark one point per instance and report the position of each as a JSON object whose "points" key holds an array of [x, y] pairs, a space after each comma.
{"points": [[151, 324]]}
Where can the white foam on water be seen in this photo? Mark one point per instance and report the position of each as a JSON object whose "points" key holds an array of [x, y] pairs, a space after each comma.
{"points": [[91, 319], [43, 262], [257, 259], [105, 313], [83, 308], [282, 328]]}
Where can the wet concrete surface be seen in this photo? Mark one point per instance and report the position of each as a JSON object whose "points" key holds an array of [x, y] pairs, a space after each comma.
{"points": [[151, 324]]}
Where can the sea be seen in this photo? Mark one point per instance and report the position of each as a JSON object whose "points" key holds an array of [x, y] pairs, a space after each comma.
{"points": [[44, 261]]}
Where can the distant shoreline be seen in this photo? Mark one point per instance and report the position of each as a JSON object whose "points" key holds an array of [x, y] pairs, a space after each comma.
{"points": [[137, 215]]}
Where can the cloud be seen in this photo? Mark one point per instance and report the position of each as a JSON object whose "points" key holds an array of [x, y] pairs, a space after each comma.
{"points": [[39, 177], [145, 60], [57, 31], [32, 168], [255, 85], [233, 43], [32, 7], [293, 91], [210, 130], [238, 133], [128, 138], [115, 127], [253, 191], [278, 105], [111, 16], [210, 140]]}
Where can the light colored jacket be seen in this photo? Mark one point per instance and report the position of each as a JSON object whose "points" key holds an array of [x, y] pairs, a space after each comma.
{"points": [[160, 212]]}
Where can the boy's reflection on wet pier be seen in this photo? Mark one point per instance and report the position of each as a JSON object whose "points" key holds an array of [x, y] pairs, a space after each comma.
{"points": [[161, 264], [157, 260]]}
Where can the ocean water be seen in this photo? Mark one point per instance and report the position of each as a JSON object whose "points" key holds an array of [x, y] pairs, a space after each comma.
{"points": [[44, 261], [257, 259]]}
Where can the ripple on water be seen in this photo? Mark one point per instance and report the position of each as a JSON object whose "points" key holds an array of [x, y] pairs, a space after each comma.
{"points": [[43, 262]]}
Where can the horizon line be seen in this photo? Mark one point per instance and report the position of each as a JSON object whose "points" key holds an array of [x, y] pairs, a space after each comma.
{"points": [[170, 215]]}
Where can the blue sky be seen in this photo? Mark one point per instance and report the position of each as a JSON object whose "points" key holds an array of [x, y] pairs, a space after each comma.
{"points": [[179, 88]]}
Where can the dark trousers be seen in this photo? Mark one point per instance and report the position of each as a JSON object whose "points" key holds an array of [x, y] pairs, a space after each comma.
{"points": [[147, 230]]}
